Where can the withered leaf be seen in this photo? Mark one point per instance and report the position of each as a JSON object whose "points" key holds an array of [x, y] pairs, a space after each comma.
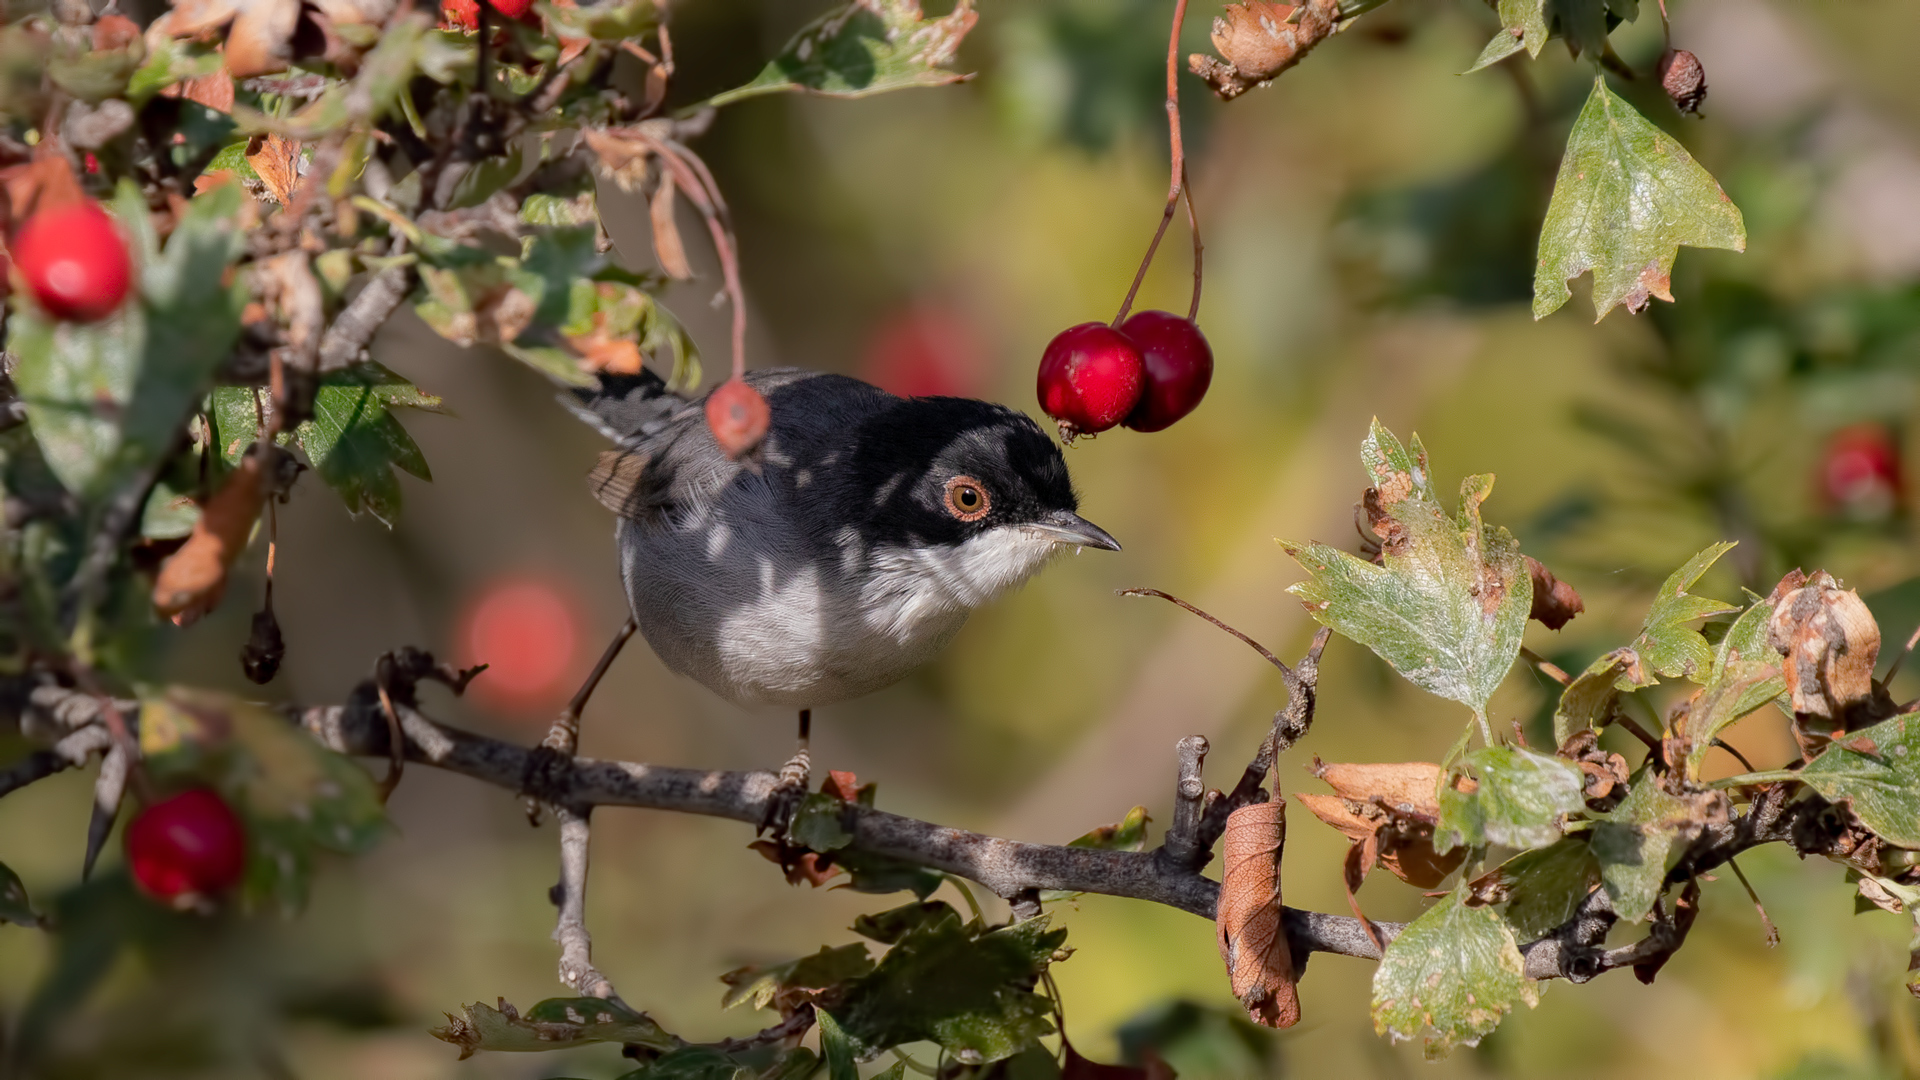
{"points": [[1258, 40], [667, 245], [276, 159], [259, 32], [1831, 643], [1247, 923], [193, 579], [1555, 602], [1587, 702]]}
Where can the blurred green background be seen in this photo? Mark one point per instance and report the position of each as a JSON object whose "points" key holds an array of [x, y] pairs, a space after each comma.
{"points": [[1370, 223]]}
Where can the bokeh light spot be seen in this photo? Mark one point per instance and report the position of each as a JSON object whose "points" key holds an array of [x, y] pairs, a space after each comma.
{"points": [[527, 632]]}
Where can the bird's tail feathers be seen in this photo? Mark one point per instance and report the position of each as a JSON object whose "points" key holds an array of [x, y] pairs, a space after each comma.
{"points": [[624, 408]]}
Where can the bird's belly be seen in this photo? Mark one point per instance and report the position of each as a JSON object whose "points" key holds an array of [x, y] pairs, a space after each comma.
{"points": [[763, 630]]}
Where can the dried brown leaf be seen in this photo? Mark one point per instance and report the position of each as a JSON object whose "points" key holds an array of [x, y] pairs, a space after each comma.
{"points": [[1247, 922], [1407, 786], [623, 155], [215, 91], [192, 580], [1259, 40], [259, 38], [1831, 643], [277, 160], [46, 181], [1555, 602], [667, 245]]}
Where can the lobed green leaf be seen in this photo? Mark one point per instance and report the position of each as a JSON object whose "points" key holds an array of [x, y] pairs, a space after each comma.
{"points": [[1518, 802], [864, 47], [1876, 772], [553, 1024], [1666, 643], [1448, 605], [1627, 197], [1636, 844], [355, 442], [1453, 973]]}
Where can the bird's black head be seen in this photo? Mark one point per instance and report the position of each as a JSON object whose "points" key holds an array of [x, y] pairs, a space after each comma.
{"points": [[977, 484]]}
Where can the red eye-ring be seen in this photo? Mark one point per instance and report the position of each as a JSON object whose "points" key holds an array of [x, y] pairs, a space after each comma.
{"points": [[967, 499]]}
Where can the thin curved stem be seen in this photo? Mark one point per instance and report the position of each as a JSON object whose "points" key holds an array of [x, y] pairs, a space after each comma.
{"points": [[1176, 182]]}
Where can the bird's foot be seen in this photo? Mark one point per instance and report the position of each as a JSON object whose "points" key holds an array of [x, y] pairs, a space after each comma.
{"points": [[788, 792]]}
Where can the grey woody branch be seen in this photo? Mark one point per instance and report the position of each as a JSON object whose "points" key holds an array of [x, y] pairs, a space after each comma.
{"points": [[1013, 869]]}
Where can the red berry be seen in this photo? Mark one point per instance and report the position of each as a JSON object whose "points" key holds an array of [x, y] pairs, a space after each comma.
{"points": [[1860, 474], [738, 416], [1179, 368], [1091, 377], [189, 845], [74, 260], [465, 14]]}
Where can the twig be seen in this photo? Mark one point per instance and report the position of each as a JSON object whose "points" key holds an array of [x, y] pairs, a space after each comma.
{"points": [[570, 896], [1773, 933], [1547, 667], [1182, 849], [1285, 671], [1176, 182], [345, 342], [1894, 668]]}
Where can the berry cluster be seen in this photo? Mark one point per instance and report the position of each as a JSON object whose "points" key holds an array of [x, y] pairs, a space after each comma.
{"points": [[1145, 373]]}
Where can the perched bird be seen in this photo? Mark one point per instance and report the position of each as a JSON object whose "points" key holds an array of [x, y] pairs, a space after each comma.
{"points": [[846, 553]]}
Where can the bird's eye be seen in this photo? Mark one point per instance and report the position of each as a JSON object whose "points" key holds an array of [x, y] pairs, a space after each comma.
{"points": [[967, 498]]}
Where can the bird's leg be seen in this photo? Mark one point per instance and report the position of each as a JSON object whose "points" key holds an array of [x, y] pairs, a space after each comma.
{"points": [[552, 756], [785, 798]]}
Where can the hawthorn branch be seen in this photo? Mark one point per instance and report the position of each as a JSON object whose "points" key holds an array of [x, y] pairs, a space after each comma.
{"points": [[1013, 869]]}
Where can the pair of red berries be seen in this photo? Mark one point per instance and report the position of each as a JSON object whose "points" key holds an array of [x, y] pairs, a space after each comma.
{"points": [[1146, 373], [465, 14], [186, 847], [74, 261]]}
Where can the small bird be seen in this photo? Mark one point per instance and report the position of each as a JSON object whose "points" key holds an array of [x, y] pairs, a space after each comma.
{"points": [[846, 554]]}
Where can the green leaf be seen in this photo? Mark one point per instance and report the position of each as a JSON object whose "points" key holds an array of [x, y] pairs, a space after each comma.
{"points": [[1583, 23], [1546, 886], [355, 442], [14, 907], [235, 412], [836, 1048], [553, 1024], [1453, 972], [1518, 803], [816, 825], [1636, 846], [795, 981], [1737, 688], [604, 22], [1504, 43], [296, 796], [1128, 834], [692, 1063], [960, 985], [1666, 643], [1587, 702], [1628, 195], [173, 61], [106, 398], [1449, 605], [880, 874], [865, 47], [1876, 771]]}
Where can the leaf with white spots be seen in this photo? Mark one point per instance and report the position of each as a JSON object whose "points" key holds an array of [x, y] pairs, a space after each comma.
{"points": [[1453, 973], [1876, 771], [1448, 603], [865, 47], [1627, 197]]}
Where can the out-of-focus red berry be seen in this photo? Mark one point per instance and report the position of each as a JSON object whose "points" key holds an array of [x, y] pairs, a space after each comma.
{"points": [[1179, 367], [738, 416], [187, 846], [1091, 377], [1860, 472], [74, 260], [527, 634], [924, 351], [465, 14]]}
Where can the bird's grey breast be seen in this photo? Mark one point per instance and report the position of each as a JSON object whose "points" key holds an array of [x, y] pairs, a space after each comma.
{"points": [[753, 583]]}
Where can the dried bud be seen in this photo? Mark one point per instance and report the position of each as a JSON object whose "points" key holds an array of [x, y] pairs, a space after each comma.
{"points": [[738, 416], [260, 657], [1684, 80], [1830, 641]]}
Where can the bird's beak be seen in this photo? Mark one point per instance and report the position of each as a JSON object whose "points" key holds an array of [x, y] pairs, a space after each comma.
{"points": [[1066, 528]]}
